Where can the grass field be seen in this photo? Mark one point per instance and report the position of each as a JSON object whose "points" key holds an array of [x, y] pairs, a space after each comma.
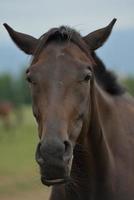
{"points": [[19, 173]]}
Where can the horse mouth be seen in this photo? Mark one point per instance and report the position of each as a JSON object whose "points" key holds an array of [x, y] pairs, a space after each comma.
{"points": [[51, 182], [51, 175]]}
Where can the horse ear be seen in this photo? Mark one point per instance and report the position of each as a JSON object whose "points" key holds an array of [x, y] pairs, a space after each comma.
{"points": [[25, 42], [97, 38]]}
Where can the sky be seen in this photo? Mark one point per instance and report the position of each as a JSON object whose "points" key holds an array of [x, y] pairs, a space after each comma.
{"points": [[37, 16]]}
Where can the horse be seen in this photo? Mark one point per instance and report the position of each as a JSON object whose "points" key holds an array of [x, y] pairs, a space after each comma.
{"points": [[85, 117], [6, 108]]}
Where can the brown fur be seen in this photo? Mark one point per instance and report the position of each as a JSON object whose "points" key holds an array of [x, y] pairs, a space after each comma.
{"points": [[79, 106]]}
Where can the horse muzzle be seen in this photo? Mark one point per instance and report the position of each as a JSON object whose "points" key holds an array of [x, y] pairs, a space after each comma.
{"points": [[55, 160]]}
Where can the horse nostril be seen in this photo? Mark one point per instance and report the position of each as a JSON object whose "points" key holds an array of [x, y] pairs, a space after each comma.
{"points": [[40, 161], [38, 156], [53, 150], [68, 150]]}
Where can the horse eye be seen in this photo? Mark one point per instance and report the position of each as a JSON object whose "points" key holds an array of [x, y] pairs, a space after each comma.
{"points": [[88, 77], [29, 79], [80, 117]]}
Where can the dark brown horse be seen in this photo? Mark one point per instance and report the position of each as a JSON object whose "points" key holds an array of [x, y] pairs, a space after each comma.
{"points": [[6, 108], [85, 118]]}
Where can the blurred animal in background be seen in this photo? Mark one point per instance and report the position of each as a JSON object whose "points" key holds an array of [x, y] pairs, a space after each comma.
{"points": [[6, 109], [10, 114]]}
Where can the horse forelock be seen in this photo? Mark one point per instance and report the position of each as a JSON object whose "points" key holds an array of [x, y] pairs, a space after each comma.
{"points": [[61, 34]]}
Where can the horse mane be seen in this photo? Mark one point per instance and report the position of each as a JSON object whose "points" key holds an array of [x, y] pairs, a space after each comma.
{"points": [[105, 78]]}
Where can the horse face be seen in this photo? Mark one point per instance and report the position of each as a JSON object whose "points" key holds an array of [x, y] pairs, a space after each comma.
{"points": [[60, 79], [60, 87]]}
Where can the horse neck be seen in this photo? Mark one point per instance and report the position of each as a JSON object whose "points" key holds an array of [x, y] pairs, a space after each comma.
{"points": [[101, 109], [93, 159]]}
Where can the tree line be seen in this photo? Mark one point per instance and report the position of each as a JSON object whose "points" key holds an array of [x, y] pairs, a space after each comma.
{"points": [[16, 90]]}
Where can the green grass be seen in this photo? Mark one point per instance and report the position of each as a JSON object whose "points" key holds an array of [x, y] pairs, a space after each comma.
{"points": [[18, 169]]}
